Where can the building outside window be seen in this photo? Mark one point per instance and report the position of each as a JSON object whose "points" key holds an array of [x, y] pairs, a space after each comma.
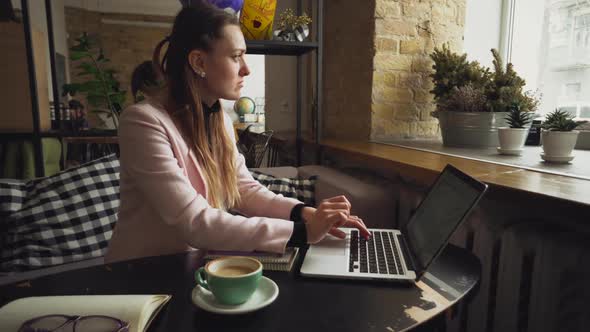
{"points": [[548, 41], [549, 45]]}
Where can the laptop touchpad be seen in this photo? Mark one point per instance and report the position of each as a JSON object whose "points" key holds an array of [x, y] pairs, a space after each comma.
{"points": [[330, 246]]}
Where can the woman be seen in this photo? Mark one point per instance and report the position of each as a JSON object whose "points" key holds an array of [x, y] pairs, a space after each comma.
{"points": [[144, 81], [180, 171]]}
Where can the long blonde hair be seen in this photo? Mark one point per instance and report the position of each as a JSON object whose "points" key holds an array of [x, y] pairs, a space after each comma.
{"points": [[197, 27]]}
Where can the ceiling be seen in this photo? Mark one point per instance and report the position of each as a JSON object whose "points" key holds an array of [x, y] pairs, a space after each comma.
{"points": [[149, 7]]}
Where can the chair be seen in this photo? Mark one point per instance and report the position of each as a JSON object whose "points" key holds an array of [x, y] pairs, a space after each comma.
{"points": [[17, 158], [254, 146]]}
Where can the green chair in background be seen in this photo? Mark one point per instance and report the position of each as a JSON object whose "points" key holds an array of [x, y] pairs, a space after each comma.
{"points": [[18, 158]]}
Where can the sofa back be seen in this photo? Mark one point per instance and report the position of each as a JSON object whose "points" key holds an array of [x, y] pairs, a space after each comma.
{"points": [[372, 197]]}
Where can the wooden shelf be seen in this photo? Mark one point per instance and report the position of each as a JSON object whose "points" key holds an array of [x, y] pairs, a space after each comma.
{"points": [[276, 47], [89, 133], [16, 136], [5, 136]]}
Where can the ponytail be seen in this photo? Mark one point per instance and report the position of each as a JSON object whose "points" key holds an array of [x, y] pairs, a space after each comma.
{"points": [[159, 66], [198, 27]]}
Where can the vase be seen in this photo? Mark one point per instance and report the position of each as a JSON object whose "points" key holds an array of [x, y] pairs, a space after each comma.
{"points": [[470, 129], [558, 145], [512, 140]]}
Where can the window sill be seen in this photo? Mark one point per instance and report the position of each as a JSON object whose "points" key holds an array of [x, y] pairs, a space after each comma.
{"points": [[423, 160]]}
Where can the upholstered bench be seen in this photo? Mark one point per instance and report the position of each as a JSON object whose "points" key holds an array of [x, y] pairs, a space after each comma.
{"points": [[65, 221], [371, 196]]}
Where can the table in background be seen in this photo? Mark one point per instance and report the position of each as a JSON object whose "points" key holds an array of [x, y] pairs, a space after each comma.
{"points": [[303, 304]]}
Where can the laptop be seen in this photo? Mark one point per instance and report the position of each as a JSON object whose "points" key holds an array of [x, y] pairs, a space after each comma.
{"points": [[399, 255]]}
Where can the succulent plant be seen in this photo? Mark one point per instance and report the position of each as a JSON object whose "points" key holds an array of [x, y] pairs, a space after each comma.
{"points": [[517, 117], [559, 120]]}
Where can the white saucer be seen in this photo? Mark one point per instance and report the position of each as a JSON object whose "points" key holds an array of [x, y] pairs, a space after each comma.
{"points": [[512, 152], [556, 159], [266, 293]]}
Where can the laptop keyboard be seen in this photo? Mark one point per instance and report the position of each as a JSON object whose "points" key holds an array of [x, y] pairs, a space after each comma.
{"points": [[379, 254]]}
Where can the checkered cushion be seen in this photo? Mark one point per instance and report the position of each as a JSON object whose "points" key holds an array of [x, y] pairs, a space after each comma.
{"points": [[66, 217], [300, 189]]}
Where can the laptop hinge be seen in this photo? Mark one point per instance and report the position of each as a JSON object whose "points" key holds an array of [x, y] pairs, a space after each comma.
{"points": [[406, 252]]}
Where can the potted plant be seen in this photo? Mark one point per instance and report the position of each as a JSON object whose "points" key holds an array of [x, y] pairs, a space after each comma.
{"points": [[471, 101], [100, 87], [558, 136], [512, 138]]}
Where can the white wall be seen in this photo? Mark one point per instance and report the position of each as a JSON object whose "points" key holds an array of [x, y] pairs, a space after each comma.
{"points": [[149, 7], [254, 84], [482, 29], [281, 85]]}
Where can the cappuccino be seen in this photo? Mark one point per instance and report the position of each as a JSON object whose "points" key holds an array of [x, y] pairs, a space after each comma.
{"points": [[234, 271]]}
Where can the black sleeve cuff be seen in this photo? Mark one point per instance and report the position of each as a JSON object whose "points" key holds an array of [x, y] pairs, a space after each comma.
{"points": [[299, 235], [296, 213]]}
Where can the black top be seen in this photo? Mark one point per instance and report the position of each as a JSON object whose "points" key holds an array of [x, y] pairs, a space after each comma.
{"points": [[299, 235], [207, 111], [215, 108]]}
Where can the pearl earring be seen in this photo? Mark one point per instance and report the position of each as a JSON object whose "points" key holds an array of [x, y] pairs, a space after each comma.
{"points": [[200, 73]]}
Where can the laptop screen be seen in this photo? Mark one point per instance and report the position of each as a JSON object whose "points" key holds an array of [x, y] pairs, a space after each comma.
{"points": [[447, 203]]}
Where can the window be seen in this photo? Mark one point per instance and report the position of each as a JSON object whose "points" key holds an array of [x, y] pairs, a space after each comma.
{"points": [[548, 41]]}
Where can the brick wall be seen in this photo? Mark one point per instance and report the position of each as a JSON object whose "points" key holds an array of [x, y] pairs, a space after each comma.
{"points": [[382, 70], [127, 45]]}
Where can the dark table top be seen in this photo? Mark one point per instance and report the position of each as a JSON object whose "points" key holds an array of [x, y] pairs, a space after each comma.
{"points": [[303, 304]]}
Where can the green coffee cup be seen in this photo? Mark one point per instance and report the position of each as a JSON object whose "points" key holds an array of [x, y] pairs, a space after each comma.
{"points": [[232, 280]]}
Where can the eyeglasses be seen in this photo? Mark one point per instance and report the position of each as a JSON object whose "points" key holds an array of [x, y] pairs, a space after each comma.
{"points": [[64, 323]]}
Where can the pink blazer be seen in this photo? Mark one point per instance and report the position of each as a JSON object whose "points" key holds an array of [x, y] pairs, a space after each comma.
{"points": [[164, 208]]}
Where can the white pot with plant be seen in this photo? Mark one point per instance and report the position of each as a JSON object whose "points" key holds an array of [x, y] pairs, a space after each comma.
{"points": [[512, 138], [559, 137]]}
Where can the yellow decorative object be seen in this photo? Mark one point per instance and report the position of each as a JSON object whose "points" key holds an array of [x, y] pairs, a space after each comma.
{"points": [[256, 19]]}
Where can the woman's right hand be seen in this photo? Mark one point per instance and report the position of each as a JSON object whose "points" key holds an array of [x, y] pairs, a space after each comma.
{"points": [[332, 213]]}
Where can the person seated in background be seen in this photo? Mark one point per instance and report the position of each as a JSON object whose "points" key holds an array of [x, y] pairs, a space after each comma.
{"points": [[180, 169], [144, 81], [78, 116]]}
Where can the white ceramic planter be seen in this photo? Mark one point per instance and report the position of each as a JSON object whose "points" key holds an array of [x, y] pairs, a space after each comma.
{"points": [[512, 140], [558, 145]]}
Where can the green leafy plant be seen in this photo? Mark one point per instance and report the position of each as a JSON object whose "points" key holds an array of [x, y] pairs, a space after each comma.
{"points": [[453, 71], [101, 89], [517, 117], [559, 120]]}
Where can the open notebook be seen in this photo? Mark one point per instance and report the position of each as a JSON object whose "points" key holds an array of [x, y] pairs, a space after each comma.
{"points": [[137, 310], [270, 261]]}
